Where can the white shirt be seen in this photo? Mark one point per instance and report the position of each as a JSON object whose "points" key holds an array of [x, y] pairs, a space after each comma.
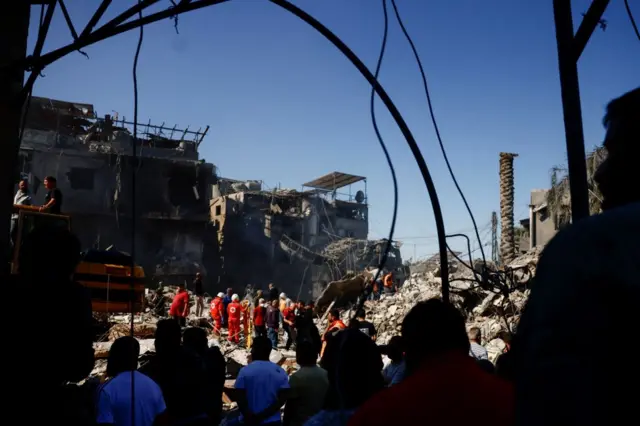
{"points": [[114, 400], [261, 381]]}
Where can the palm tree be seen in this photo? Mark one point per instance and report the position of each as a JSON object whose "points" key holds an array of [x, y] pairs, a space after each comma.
{"points": [[559, 197], [507, 234]]}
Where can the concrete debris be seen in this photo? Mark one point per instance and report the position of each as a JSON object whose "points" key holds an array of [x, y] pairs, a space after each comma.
{"points": [[489, 311], [141, 331]]}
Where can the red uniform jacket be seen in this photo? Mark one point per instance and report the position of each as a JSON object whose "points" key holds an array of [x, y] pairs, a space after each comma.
{"points": [[216, 308], [234, 310], [180, 305]]}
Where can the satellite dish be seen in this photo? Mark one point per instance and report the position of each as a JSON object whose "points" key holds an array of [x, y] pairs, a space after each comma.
{"points": [[360, 197]]}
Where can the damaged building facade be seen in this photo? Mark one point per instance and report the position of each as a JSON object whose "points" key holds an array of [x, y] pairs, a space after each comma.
{"points": [[281, 235], [92, 160]]}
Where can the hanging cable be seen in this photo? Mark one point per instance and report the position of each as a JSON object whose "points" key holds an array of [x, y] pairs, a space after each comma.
{"points": [[387, 247], [406, 132], [133, 201], [435, 124], [633, 21]]}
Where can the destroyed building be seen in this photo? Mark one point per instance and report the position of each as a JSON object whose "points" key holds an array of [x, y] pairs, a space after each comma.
{"points": [[279, 235], [92, 159]]}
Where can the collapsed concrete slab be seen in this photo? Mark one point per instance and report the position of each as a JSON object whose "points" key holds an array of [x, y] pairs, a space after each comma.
{"points": [[489, 311]]}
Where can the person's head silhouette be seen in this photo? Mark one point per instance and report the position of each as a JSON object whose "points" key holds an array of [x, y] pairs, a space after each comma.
{"points": [[616, 177], [432, 328]]}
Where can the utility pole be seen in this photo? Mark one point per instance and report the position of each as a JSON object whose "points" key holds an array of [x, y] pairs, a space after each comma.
{"points": [[507, 190], [494, 237], [14, 30], [570, 47]]}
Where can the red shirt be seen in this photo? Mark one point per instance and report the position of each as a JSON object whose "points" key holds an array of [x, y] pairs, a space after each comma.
{"points": [[450, 390], [234, 310], [258, 316], [288, 314], [180, 305]]}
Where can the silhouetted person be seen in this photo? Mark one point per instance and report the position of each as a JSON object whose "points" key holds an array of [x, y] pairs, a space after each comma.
{"points": [[274, 294], [309, 386], [444, 385], [47, 261], [180, 372], [306, 329], [360, 322], [587, 285], [53, 199], [195, 338], [353, 364], [504, 363], [114, 406], [395, 372]]}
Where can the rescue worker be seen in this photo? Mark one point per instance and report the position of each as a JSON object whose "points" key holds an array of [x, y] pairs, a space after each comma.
{"points": [[234, 313], [179, 309], [259, 313], [225, 303], [389, 284], [216, 312], [335, 324], [282, 304], [288, 323], [246, 315]]}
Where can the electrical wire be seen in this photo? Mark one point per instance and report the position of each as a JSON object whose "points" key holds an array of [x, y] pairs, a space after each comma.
{"points": [[435, 124], [633, 21], [392, 169], [134, 171], [406, 132]]}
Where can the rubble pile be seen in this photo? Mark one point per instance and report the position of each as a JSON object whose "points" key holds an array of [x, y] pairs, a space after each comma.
{"points": [[490, 311]]}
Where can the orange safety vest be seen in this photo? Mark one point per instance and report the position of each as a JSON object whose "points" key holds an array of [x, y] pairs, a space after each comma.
{"points": [[388, 280]]}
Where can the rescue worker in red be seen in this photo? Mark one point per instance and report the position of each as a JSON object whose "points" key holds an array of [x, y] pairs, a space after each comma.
{"points": [[216, 312], [234, 313], [259, 313], [335, 324], [179, 309], [389, 284]]}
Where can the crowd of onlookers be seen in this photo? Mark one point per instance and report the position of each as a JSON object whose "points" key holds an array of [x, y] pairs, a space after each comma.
{"points": [[437, 371]]}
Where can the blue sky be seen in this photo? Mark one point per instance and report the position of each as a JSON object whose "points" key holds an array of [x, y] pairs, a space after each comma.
{"points": [[284, 106]]}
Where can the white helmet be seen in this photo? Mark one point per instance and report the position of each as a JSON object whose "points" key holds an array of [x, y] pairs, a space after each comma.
{"points": [[235, 297], [221, 294], [261, 301], [283, 296]]}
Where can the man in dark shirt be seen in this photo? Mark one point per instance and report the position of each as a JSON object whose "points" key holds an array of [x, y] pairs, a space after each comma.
{"points": [[199, 292], [274, 294], [363, 325], [53, 199], [273, 322]]}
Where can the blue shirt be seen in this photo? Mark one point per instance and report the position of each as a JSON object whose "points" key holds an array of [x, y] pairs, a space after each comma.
{"points": [[262, 380]]}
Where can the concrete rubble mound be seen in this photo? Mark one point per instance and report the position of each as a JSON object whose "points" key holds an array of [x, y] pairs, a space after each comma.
{"points": [[489, 310]]}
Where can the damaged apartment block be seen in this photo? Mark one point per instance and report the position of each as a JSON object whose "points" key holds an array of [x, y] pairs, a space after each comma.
{"points": [[281, 235], [92, 160]]}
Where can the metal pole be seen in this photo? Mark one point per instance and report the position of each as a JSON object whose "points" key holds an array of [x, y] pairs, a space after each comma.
{"points": [[14, 29], [571, 108]]}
